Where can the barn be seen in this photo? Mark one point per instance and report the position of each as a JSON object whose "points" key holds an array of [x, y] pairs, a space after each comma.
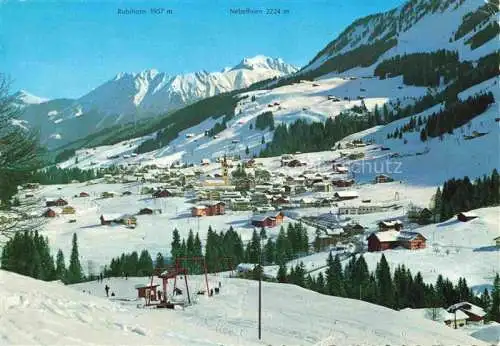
{"points": [[466, 216]]}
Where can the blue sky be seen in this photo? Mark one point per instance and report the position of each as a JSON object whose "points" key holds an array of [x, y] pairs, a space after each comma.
{"points": [[55, 49]]}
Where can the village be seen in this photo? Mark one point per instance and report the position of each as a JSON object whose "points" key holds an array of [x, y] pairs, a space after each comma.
{"points": [[339, 211]]}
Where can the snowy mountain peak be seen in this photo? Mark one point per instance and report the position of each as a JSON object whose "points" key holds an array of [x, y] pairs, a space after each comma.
{"points": [[264, 62], [25, 97]]}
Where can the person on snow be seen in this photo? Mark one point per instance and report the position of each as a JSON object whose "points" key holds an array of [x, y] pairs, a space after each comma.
{"points": [[106, 288]]}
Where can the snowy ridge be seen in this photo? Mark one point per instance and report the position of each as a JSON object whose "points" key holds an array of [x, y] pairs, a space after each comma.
{"points": [[23, 97], [408, 24]]}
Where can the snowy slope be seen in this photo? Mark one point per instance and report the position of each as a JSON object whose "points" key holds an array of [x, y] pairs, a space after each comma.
{"points": [[455, 249], [133, 96], [24, 98], [416, 25], [35, 312]]}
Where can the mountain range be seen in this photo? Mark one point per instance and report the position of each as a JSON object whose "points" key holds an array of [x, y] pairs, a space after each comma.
{"points": [[130, 97]]}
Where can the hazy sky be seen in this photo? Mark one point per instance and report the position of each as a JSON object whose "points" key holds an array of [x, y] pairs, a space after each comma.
{"points": [[55, 49]]}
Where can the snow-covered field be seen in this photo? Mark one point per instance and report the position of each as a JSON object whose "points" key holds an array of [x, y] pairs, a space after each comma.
{"points": [[35, 312]]}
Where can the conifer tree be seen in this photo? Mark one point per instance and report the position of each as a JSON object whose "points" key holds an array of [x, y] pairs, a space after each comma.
{"points": [[75, 272], [334, 277], [282, 273], [60, 266], [320, 283], [160, 261], [175, 246], [494, 311], [384, 283]]}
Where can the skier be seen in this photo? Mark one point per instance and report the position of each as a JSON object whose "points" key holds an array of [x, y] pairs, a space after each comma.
{"points": [[219, 284], [106, 288], [126, 276]]}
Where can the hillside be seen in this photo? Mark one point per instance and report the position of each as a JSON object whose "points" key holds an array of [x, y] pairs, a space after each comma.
{"points": [[68, 315], [409, 77]]}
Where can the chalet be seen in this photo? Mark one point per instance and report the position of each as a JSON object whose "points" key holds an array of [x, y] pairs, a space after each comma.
{"points": [[345, 195], [322, 186], [226, 196], [68, 210], [84, 194], [49, 213], [146, 211], [420, 215], [466, 216], [475, 314], [241, 203], [325, 241], [162, 193], [267, 220], [356, 227], [383, 178], [108, 194], [280, 200], [439, 315], [392, 239], [342, 182], [108, 219], [55, 202], [390, 225], [209, 209]]}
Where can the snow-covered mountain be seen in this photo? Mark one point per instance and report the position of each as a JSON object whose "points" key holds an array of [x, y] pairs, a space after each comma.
{"points": [[23, 97], [133, 96]]}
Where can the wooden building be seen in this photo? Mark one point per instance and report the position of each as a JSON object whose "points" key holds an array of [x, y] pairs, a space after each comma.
{"points": [[49, 213], [68, 210], [84, 194], [146, 211], [268, 219], [390, 225], [147, 291], [475, 314], [55, 202], [209, 209], [464, 217], [392, 239]]}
